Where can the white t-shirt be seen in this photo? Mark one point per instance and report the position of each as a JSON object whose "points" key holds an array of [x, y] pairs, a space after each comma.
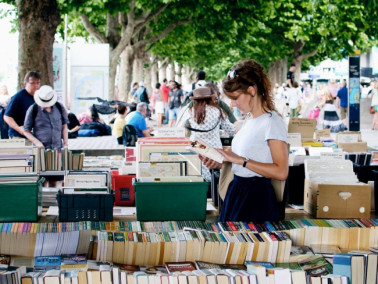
{"points": [[293, 97], [251, 141]]}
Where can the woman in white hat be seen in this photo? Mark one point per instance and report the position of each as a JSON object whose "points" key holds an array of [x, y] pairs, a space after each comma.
{"points": [[46, 121], [204, 120]]}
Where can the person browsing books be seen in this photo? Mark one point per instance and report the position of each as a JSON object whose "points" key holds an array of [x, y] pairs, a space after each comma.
{"points": [[204, 119], [259, 149], [47, 119]]}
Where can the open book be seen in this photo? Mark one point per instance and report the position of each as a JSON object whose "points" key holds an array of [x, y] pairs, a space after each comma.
{"points": [[201, 147]]}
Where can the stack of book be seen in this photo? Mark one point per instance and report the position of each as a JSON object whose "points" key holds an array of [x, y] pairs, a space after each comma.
{"points": [[362, 159], [21, 163], [49, 196], [157, 248], [60, 160], [167, 160], [351, 267], [350, 234], [15, 157]]}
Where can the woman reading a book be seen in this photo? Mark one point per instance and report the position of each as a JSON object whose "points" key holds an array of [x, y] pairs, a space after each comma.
{"points": [[259, 149]]}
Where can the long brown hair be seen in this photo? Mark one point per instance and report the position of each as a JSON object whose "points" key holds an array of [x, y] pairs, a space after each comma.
{"points": [[248, 73], [328, 95], [200, 109]]}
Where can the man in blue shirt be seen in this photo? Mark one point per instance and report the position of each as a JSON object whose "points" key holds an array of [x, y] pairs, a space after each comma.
{"points": [[16, 110], [138, 120], [342, 96]]}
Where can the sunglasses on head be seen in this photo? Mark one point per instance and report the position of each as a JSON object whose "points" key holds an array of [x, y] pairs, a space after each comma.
{"points": [[232, 74]]}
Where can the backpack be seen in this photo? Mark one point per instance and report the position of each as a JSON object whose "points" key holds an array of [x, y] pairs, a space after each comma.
{"points": [[144, 97], [35, 111], [129, 135]]}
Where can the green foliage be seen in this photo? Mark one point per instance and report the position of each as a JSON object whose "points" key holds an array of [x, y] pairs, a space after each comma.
{"points": [[10, 13], [222, 32]]}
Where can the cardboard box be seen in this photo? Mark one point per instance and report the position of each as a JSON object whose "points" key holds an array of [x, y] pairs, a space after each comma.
{"points": [[304, 126], [337, 200], [322, 133], [353, 147], [348, 136]]}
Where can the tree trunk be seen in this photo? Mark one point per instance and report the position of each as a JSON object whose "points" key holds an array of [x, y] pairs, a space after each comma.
{"points": [[163, 70], [277, 71], [298, 63], [272, 72], [172, 71], [147, 72], [154, 72], [179, 73], [125, 78], [38, 21], [112, 74], [298, 57], [138, 66], [189, 72]]}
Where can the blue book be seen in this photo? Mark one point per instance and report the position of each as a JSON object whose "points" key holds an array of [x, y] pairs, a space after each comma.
{"points": [[269, 226], [342, 265], [45, 263], [267, 265], [5, 228]]}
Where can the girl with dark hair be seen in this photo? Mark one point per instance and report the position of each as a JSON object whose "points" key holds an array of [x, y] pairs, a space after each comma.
{"points": [[92, 124], [94, 115], [176, 97], [204, 119], [259, 149]]}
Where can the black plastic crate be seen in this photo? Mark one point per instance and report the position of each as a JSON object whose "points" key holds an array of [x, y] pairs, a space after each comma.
{"points": [[85, 207]]}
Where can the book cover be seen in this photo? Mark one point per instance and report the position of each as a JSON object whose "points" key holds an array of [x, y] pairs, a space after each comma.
{"points": [[342, 264], [180, 266], [4, 260], [316, 266], [201, 147], [74, 262], [45, 263]]}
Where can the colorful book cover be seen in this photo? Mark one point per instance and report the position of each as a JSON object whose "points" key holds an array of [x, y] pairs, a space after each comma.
{"points": [[289, 265], [45, 263], [4, 260], [342, 264], [180, 266], [266, 264], [210, 265], [316, 266], [74, 261]]}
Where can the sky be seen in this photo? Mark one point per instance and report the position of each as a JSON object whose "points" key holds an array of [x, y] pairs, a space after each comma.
{"points": [[8, 53]]}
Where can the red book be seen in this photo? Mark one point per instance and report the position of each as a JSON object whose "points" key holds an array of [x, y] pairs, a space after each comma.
{"points": [[252, 227], [232, 226], [367, 222]]}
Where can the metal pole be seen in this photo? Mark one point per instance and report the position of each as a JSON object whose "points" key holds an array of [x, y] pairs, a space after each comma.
{"points": [[354, 93], [68, 98]]}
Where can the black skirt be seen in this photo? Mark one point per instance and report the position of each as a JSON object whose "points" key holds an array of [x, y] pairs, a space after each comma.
{"points": [[250, 200]]}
